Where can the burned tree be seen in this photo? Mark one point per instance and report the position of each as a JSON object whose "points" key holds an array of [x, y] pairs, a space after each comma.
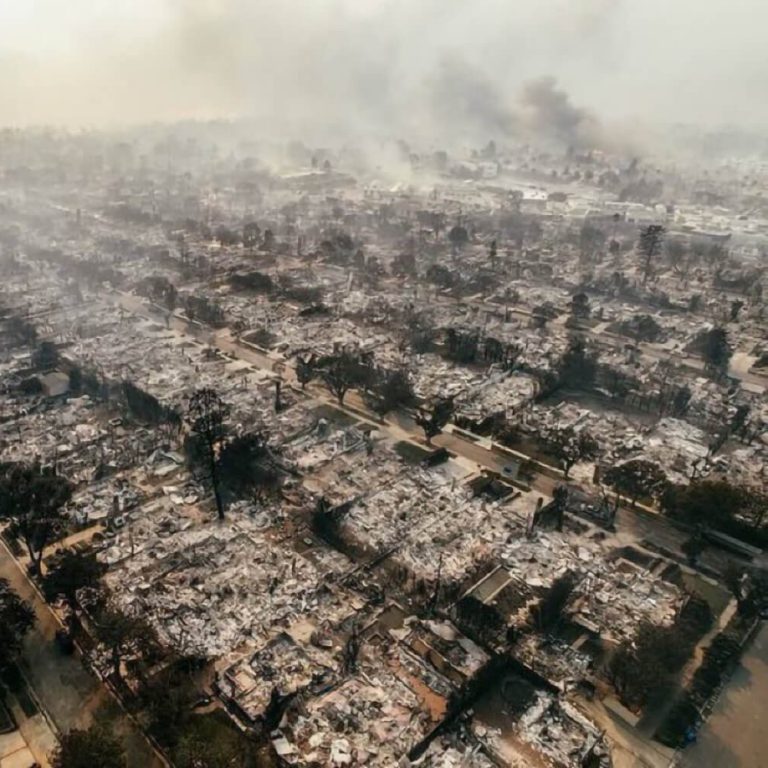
{"points": [[206, 417], [462, 347], [478, 619], [580, 307], [46, 356], [251, 235], [434, 419], [249, 467], [305, 369], [650, 245], [577, 367], [326, 521], [549, 611], [591, 240], [145, 407], [419, 333], [458, 237]]}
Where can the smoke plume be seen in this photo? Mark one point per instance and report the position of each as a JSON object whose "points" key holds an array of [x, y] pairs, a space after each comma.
{"points": [[432, 68]]}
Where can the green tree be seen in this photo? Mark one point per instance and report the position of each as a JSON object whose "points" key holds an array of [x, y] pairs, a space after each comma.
{"points": [[570, 446], [714, 503], [122, 634], [96, 747], [16, 619], [638, 669], [31, 500], [210, 743], [645, 665], [70, 572], [637, 478], [342, 371], [168, 696]]}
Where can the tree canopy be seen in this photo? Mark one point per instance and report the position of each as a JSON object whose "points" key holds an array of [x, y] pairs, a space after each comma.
{"points": [[209, 743], [714, 503], [570, 446], [637, 478], [390, 390], [458, 237], [121, 634], [95, 747], [343, 371], [16, 619], [31, 500], [716, 349], [71, 571]]}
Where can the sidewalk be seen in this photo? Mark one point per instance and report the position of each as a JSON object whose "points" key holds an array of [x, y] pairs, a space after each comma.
{"points": [[68, 693], [32, 742], [15, 752]]}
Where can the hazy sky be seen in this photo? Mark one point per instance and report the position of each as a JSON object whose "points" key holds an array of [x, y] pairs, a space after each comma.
{"points": [[377, 62]]}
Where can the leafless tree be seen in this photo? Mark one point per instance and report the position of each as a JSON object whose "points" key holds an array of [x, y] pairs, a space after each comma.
{"points": [[206, 416]]}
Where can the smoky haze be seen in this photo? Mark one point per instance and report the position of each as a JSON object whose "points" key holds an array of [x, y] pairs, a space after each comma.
{"points": [[557, 70]]}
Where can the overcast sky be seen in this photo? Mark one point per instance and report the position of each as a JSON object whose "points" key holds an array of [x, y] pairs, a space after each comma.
{"points": [[377, 62]]}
